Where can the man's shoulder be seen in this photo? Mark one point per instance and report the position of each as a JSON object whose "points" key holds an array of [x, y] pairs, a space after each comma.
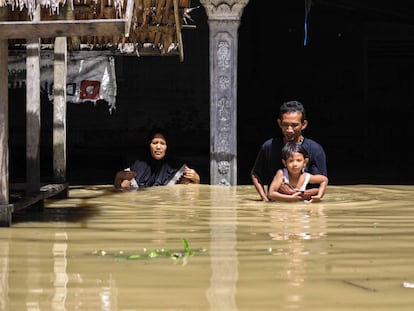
{"points": [[313, 147], [273, 141], [312, 143]]}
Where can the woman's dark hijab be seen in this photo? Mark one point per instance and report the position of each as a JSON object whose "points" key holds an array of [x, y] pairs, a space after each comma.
{"points": [[151, 172]]}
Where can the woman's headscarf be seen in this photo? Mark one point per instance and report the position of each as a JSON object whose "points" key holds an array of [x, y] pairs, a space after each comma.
{"points": [[150, 171]]}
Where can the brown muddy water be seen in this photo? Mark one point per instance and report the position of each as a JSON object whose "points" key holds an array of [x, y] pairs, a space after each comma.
{"points": [[202, 247]]}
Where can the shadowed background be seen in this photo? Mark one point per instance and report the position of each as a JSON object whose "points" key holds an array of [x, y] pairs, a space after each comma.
{"points": [[354, 75]]}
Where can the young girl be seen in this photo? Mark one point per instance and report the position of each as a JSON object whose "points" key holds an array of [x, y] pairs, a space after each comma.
{"points": [[295, 158]]}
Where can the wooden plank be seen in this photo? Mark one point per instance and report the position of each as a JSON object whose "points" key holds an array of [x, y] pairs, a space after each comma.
{"points": [[59, 28], [50, 190], [178, 30], [33, 112], [4, 124], [128, 17], [33, 116], [46, 191], [59, 110], [4, 118]]}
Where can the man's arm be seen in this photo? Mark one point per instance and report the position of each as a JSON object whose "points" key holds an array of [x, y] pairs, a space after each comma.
{"points": [[318, 167], [309, 193], [319, 161], [259, 188]]}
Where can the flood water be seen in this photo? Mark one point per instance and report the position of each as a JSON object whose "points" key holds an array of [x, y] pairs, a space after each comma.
{"points": [[202, 247]]}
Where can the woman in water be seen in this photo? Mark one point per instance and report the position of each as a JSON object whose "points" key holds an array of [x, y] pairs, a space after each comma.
{"points": [[154, 169]]}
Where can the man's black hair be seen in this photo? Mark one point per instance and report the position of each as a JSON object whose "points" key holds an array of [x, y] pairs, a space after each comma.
{"points": [[292, 106]]}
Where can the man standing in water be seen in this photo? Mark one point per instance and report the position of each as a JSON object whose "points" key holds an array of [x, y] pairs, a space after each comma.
{"points": [[292, 121]]}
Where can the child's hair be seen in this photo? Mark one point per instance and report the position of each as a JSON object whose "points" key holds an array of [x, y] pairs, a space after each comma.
{"points": [[291, 148]]}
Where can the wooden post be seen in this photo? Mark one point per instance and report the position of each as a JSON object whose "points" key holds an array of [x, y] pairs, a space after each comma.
{"points": [[4, 118], [4, 124], [59, 110], [33, 112], [33, 31], [128, 17], [5, 209], [178, 30]]}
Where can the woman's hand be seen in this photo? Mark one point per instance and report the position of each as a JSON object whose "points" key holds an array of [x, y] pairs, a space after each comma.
{"points": [[123, 179], [125, 183], [190, 175]]}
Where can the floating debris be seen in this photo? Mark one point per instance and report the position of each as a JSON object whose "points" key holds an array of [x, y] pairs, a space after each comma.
{"points": [[359, 286], [149, 254], [408, 285]]}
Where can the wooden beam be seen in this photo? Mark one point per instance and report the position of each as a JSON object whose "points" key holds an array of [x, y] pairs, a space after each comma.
{"points": [[128, 17], [60, 28], [45, 191], [178, 30]]}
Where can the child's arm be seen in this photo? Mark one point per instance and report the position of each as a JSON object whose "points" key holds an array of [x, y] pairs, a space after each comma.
{"points": [[323, 183], [274, 190]]}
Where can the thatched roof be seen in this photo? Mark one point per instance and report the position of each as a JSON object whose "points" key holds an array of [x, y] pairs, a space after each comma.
{"points": [[154, 25]]}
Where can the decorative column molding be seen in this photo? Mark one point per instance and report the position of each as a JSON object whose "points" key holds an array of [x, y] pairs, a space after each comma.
{"points": [[224, 9], [224, 20]]}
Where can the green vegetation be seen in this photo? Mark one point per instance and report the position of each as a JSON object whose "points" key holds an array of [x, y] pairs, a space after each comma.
{"points": [[177, 256]]}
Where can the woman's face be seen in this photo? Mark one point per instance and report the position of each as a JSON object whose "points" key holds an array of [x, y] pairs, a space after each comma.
{"points": [[158, 147]]}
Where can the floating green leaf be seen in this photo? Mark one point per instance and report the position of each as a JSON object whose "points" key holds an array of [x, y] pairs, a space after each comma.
{"points": [[155, 253]]}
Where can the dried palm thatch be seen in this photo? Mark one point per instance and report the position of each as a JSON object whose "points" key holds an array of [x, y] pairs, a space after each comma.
{"points": [[155, 25]]}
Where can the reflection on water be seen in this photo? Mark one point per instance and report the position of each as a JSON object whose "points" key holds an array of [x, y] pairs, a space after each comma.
{"points": [[352, 251], [224, 264]]}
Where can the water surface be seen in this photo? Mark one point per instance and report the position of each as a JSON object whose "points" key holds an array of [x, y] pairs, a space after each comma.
{"points": [[92, 251]]}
